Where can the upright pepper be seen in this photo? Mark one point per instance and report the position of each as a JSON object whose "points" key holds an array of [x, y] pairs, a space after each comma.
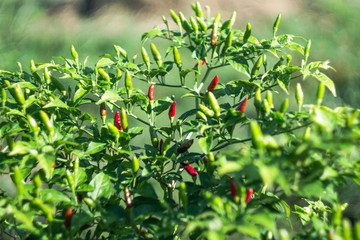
{"points": [[214, 104], [185, 146], [128, 83], [320, 93], [151, 92], [3, 96], [33, 125], [124, 120], [213, 84], [135, 164], [194, 26], [198, 10], [117, 121], [104, 74], [202, 24], [202, 63], [284, 105], [184, 23], [68, 218], [214, 32], [103, 112], [156, 54], [183, 196], [18, 94], [299, 95], [114, 131], [175, 17], [242, 105], [257, 100], [145, 57], [228, 42], [128, 200], [154, 138], [233, 189], [74, 54], [177, 58], [276, 24], [18, 178], [120, 51], [229, 23], [249, 194], [172, 111], [307, 50], [256, 67], [247, 33], [46, 121]]}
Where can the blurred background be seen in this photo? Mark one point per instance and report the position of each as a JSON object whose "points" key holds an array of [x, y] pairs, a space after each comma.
{"points": [[43, 29]]}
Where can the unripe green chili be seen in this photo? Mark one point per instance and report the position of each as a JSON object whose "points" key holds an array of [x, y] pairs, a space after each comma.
{"points": [[33, 125], [229, 23], [145, 57], [70, 179], [76, 167], [288, 59], [177, 57], [154, 138], [214, 32], [3, 96], [183, 196], [284, 105], [202, 115], [74, 54], [18, 182], [39, 204], [299, 95], [346, 229], [214, 104], [18, 94], [124, 121], [194, 25], [175, 17], [128, 83], [156, 54], [257, 136], [320, 93], [266, 106], [307, 50], [202, 24], [47, 75], [184, 23], [276, 24], [307, 133], [120, 51], [256, 67], [257, 100], [269, 98], [104, 74], [198, 10], [37, 184], [247, 33], [135, 164], [208, 112], [228, 42], [185, 146], [114, 131], [46, 121], [10, 142], [118, 73], [89, 202]]}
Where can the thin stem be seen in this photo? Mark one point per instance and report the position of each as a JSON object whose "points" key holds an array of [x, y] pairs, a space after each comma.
{"points": [[139, 119]]}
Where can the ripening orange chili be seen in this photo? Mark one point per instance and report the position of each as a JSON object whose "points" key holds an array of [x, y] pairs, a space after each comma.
{"points": [[242, 105], [68, 218]]}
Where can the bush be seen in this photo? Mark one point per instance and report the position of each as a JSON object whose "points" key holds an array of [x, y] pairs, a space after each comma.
{"points": [[220, 168]]}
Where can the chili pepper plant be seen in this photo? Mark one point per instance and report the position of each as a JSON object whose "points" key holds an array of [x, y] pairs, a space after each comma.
{"points": [[93, 152]]}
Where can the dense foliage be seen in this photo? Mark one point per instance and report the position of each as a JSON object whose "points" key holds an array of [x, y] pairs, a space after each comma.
{"points": [[223, 167]]}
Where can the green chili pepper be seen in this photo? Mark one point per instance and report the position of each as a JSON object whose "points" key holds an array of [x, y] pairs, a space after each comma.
{"points": [[33, 125], [39, 204], [165, 146], [228, 42], [74, 54], [307, 50], [47, 75], [266, 107], [114, 131], [124, 121], [76, 168], [284, 105], [177, 58], [89, 202], [214, 104], [247, 33], [208, 112], [346, 230], [269, 98], [307, 132], [229, 23], [257, 136], [276, 24], [194, 25], [135, 164], [104, 74], [202, 115], [145, 57], [128, 83], [320, 93], [18, 94], [288, 59], [256, 67], [118, 73], [59, 86], [184, 23], [70, 179], [37, 184], [46, 121], [3, 96], [120, 51], [183, 196], [198, 10], [175, 17], [202, 24], [10, 142], [299, 96], [18, 182], [154, 137], [214, 32], [257, 100], [156, 54]]}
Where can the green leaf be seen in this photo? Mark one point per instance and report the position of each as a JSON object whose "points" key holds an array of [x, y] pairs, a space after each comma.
{"points": [[95, 147], [46, 161], [240, 65], [109, 95], [238, 84], [53, 196], [205, 144], [162, 105], [102, 186], [284, 82], [104, 62], [80, 93], [56, 103], [326, 81], [152, 33], [324, 118]]}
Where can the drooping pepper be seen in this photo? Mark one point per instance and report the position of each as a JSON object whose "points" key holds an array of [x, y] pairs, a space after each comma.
{"points": [[120, 51], [103, 112], [172, 111], [177, 58], [256, 134], [124, 121], [213, 84], [128, 83], [257, 100], [242, 105], [284, 105], [202, 115], [117, 121], [33, 125], [307, 50], [154, 138], [249, 194], [233, 189], [190, 170], [183, 196], [114, 131], [46, 121], [18, 94], [68, 218], [269, 98], [128, 200], [214, 32], [214, 104], [104, 74], [3, 96], [18, 182], [185, 146], [156, 54]]}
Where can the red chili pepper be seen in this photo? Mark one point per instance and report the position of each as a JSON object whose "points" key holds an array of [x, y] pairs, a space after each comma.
{"points": [[117, 121], [67, 218], [172, 110], [190, 169], [202, 63], [249, 194], [213, 84], [160, 146], [242, 105], [151, 92], [233, 189]]}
